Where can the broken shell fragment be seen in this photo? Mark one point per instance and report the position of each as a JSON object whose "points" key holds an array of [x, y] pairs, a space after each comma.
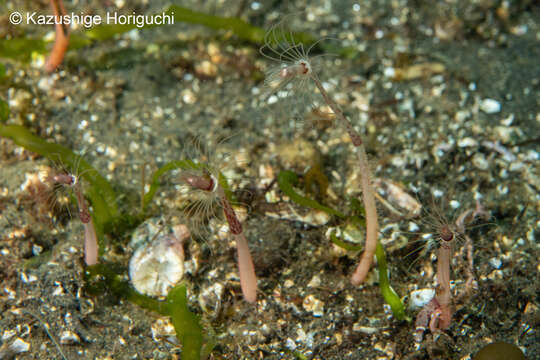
{"points": [[419, 298], [69, 338], [157, 266], [396, 198]]}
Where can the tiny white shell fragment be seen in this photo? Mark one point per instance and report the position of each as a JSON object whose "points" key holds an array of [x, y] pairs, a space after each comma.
{"points": [[288, 283], [210, 297], [313, 305], [421, 297], [69, 337], [516, 166], [413, 227], [58, 290], [462, 115], [364, 329], [290, 344], [188, 96], [19, 346], [8, 334], [480, 162], [467, 142], [490, 106], [398, 196], [314, 282], [454, 204], [389, 72], [495, 262], [162, 328], [28, 278]]}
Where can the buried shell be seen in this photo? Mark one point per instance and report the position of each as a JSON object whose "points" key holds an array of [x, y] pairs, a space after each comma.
{"points": [[158, 265]]}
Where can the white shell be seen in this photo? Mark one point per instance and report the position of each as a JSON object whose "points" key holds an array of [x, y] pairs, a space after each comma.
{"points": [[69, 338], [313, 305], [19, 345], [495, 262], [157, 266], [421, 297], [490, 106]]}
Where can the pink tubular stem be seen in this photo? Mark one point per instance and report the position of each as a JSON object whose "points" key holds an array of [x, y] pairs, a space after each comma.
{"points": [[90, 237], [246, 270], [61, 40], [90, 244], [248, 279], [444, 295], [372, 225]]}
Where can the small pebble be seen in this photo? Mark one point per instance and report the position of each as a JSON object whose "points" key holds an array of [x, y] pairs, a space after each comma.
{"points": [[467, 142], [490, 106], [364, 329], [69, 338], [313, 305], [290, 344], [19, 346], [495, 262], [480, 162]]}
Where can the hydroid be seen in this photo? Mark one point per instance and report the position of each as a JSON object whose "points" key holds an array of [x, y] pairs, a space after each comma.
{"points": [[295, 64], [289, 83], [206, 181]]}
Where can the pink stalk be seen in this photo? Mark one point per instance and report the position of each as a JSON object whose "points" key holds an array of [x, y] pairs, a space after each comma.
{"points": [[372, 225], [248, 279], [444, 295], [90, 244], [61, 40], [90, 237], [439, 310]]}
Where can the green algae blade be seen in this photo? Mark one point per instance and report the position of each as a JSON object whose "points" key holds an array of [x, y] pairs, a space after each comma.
{"points": [[237, 26], [342, 244], [21, 49], [388, 293], [105, 278], [154, 185], [186, 324], [4, 111], [287, 179]]}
